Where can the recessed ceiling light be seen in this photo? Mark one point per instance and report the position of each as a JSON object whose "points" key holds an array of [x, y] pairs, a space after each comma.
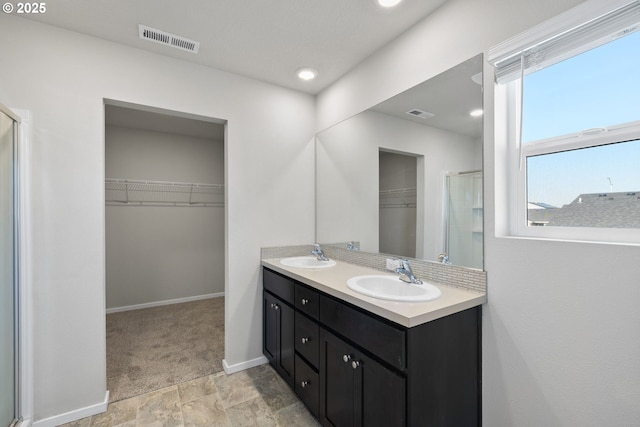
{"points": [[306, 73], [388, 3], [476, 113]]}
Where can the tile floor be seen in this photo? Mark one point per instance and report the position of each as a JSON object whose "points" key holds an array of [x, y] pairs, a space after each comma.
{"points": [[255, 397]]}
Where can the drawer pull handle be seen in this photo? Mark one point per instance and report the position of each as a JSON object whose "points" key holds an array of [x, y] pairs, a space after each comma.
{"points": [[355, 364], [346, 358], [305, 340], [305, 301], [303, 384]]}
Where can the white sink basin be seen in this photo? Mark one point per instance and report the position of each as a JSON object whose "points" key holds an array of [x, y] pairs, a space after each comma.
{"points": [[306, 262], [392, 288]]}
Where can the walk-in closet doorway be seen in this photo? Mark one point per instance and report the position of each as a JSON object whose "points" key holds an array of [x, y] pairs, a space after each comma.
{"points": [[165, 247]]}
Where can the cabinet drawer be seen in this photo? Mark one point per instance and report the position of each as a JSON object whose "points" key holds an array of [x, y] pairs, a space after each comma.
{"points": [[377, 337], [307, 385], [278, 285], [307, 338], [307, 301]]}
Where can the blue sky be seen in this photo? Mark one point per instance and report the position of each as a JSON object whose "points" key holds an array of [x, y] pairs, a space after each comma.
{"points": [[598, 88]]}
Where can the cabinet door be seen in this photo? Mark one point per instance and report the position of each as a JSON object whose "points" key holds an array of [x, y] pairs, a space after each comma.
{"points": [[278, 338], [381, 394], [270, 328], [337, 394], [357, 391]]}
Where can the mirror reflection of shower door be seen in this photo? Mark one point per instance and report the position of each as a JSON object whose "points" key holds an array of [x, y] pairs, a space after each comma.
{"points": [[464, 223], [397, 204], [7, 272]]}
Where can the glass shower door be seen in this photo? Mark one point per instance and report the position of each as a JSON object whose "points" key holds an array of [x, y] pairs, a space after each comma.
{"points": [[7, 271], [464, 234]]}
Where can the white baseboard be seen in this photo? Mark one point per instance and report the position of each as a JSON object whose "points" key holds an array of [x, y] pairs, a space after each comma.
{"points": [[77, 414], [230, 369], [166, 302], [24, 423]]}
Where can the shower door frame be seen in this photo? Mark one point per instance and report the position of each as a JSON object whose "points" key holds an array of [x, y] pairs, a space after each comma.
{"points": [[23, 372]]}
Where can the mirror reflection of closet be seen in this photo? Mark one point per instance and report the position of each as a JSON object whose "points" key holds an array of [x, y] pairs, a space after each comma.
{"points": [[398, 191]]}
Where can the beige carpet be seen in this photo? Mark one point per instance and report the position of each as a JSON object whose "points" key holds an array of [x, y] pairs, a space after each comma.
{"points": [[158, 347]]}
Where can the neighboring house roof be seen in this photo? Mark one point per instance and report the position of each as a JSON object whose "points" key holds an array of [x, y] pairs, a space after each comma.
{"points": [[612, 210]]}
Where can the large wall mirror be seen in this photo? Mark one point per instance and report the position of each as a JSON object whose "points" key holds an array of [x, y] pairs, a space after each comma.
{"points": [[405, 177]]}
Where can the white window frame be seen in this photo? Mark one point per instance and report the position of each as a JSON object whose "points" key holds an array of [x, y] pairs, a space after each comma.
{"points": [[508, 104]]}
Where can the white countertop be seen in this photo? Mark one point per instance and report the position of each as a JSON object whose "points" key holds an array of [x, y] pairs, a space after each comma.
{"points": [[333, 281]]}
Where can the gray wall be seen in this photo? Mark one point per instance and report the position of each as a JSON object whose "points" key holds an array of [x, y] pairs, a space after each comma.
{"points": [[560, 330], [158, 253], [269, 153]]}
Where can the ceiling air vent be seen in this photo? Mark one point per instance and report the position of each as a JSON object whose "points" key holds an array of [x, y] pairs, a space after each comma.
{"points": [[167, 39], [419, 113]]}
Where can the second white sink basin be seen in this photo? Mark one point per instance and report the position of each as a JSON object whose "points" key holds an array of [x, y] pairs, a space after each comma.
{"points": [[306, 262], [392, 288]]}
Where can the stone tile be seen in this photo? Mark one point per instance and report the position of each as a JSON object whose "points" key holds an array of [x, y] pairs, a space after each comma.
{"points": [[197, 388], [205, 411], [295, 415], [274, 391], [254, 412], [235, 388], [117, 413], [160, 408], [260, 371]]}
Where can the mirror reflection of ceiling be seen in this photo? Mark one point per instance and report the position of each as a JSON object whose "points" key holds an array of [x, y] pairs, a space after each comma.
{"points": [[450, 96]]}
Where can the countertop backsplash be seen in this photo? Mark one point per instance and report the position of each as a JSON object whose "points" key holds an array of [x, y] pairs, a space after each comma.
{"points": [[430, 271]]}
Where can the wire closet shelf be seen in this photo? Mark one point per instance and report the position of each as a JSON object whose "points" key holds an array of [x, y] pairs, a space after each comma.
{"points": [[398, 198], [162, 193]]}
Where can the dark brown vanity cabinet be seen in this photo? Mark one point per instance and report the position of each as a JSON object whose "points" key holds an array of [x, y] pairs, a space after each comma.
{"points": [[354, 368]]}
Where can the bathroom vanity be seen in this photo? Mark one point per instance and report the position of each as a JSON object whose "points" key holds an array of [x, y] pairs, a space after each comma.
{"points": [[359, 361]]}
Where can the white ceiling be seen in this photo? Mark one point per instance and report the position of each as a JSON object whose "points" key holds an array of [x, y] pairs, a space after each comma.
{"points": [[264, 40]]}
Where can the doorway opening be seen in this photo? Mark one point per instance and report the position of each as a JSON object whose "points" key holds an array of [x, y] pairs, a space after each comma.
{"points": [[165, 247]]}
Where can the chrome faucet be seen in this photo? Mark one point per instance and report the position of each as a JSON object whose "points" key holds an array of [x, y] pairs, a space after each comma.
{"points": [[406, 274], [319, 253], [352, 246], [443, 258]]}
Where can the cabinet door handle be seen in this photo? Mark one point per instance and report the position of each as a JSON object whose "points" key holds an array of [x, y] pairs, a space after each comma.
{"points": [[272, 305], [346, 358], [355, 364], [276, 306], [304, 301], [305, 340], [303, 384]]}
